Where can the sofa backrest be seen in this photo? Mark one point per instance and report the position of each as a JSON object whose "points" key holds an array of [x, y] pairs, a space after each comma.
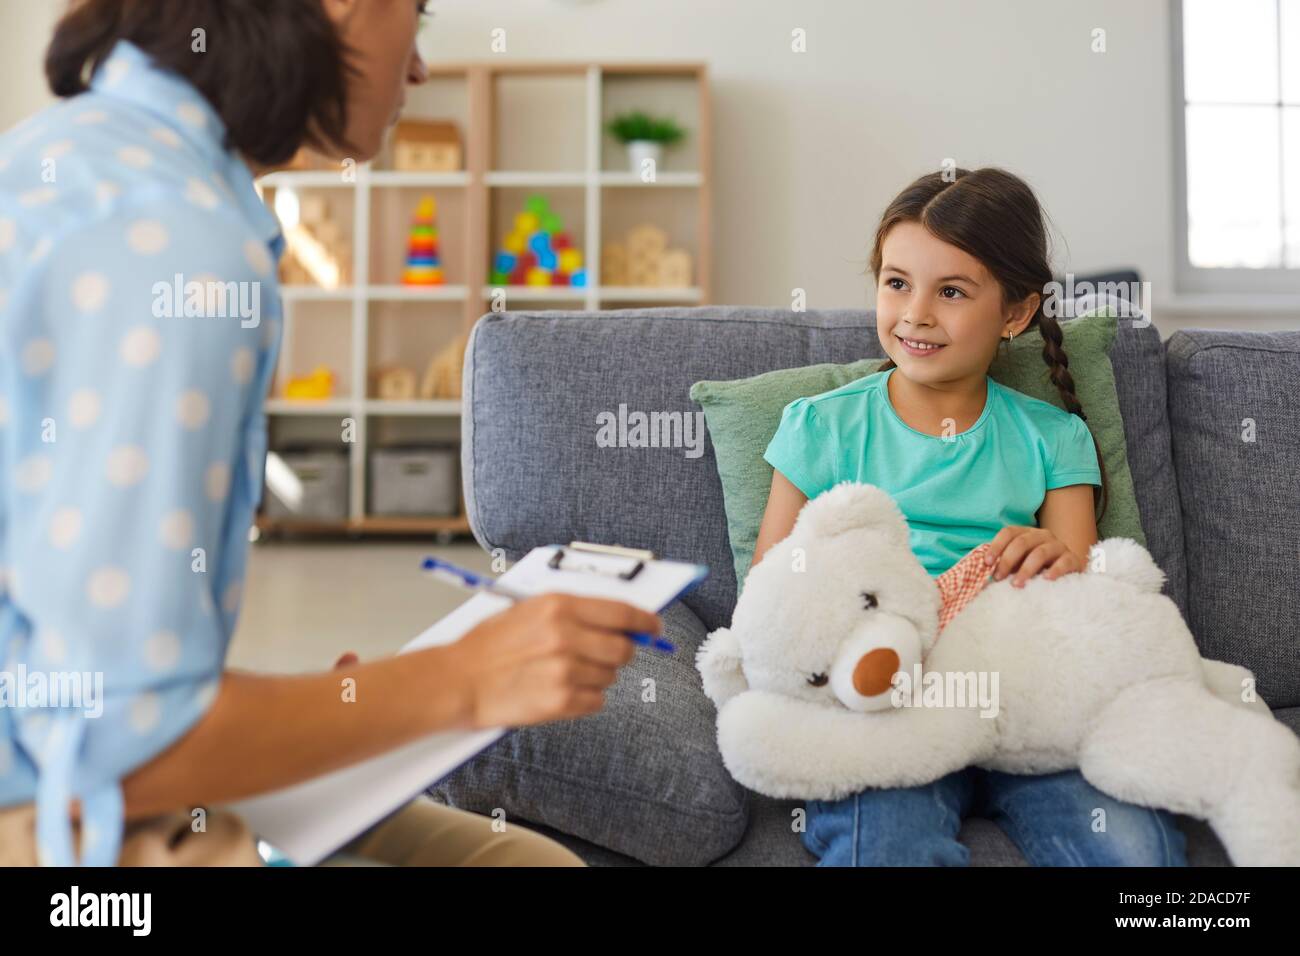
{"points": [[536, 382], [1236, 441]]}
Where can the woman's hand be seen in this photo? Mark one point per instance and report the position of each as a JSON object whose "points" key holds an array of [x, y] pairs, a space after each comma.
{"points": [[1027, 551], [547, 658]]}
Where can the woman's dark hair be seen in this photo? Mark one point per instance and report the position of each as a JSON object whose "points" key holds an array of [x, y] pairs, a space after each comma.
{"points": [[275, 71], [995, 217]]}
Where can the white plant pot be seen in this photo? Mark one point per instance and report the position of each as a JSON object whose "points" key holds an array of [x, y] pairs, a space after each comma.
{"points": [[639, 150]]}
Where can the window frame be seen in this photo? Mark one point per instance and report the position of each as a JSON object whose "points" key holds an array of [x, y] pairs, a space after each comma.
{"points": [[1206, 279]]}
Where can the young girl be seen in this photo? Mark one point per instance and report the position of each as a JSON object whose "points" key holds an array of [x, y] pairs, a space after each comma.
{"points": [[960, 266]]}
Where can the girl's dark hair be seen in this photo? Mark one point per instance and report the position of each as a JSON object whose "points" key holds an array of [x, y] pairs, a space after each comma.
{"points": [[275, 71], [994, 216]]}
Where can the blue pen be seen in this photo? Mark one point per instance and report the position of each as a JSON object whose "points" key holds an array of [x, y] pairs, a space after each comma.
{"points": [[459, 577]]}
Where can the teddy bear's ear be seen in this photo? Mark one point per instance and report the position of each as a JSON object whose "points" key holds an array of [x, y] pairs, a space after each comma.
{"points": [[850, 506], [1126, 559]]}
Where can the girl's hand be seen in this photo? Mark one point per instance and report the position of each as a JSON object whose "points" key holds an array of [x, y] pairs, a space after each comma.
{"points": [[1028, 551]]}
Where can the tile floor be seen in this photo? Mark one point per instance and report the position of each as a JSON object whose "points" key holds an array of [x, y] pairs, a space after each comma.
{"points": [[307, 602]]}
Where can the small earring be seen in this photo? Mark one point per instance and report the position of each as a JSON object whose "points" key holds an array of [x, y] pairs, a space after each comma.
{"points": [[1010, 336]]}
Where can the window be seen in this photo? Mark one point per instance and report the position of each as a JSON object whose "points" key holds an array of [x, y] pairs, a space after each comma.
{"points": [[1237, 138]]}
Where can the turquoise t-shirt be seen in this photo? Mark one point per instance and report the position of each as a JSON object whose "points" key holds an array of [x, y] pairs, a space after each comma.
{"points": [[956, 492]]}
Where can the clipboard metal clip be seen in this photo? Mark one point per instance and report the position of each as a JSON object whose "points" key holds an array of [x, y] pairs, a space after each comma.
{"points": [[640, 557]]}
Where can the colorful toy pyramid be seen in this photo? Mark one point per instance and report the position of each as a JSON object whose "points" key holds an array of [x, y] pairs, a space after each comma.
{"points": [[423, 266], [538, 251]]}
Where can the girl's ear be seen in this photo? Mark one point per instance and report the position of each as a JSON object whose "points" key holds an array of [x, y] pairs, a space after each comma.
{"points": [[1022, 313]]}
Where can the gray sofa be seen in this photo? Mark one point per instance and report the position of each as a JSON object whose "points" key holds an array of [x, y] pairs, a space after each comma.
{"points": [[1214, 445]]}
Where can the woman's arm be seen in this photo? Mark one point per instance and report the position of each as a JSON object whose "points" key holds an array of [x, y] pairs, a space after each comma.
{"points": [[784, 503], [266, 732], [548, 658]]}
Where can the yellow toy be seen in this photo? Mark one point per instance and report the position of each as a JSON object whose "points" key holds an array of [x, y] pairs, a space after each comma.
{"points": [[317, 386]]}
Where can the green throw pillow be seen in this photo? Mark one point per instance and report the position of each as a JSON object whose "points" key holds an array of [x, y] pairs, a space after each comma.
{"points": [[743, 416]]}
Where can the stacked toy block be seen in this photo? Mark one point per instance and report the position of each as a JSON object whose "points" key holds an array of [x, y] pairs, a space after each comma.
{"points": [[423, 266], [538, 251], [644, 260]]}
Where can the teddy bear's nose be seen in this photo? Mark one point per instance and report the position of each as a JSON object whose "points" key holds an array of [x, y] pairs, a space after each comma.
{"points": [[874, 671]]}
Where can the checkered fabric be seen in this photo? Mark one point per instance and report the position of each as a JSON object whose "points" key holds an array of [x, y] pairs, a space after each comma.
{"points": [[960, 583]]}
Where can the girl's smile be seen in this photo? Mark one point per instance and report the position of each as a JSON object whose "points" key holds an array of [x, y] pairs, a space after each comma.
{"points": [[919, 347]]}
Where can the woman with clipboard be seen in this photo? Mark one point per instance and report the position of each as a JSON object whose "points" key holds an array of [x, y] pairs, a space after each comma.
{"points": [[170, 109]]}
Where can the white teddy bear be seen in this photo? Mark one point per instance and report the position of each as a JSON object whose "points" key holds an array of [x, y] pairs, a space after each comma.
{"points": [[1095, 670]]}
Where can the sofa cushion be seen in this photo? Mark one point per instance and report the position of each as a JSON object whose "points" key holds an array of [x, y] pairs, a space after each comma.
{"points": [[743, 416], [1138, 358], [1236, 441], [537, 384], [642, 778]]}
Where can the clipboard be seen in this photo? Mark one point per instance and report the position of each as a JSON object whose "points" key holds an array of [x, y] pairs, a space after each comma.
{"points": [[310, 820]]}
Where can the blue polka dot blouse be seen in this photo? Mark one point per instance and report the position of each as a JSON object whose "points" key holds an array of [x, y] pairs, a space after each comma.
{"points": [[139, 326]]}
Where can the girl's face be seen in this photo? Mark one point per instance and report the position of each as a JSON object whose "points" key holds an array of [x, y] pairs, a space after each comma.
{"points": [[934, 293], [381, 37]]}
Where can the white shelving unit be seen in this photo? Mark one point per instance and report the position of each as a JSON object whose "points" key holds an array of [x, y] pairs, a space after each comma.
{"points": [[498, 108]]}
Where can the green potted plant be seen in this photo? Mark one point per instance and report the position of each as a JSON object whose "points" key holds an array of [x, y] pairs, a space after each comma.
{"points": [[644, 136]]}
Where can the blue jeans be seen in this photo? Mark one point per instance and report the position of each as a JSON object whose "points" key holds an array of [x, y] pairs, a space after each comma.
{"points": [[1054, 819]]}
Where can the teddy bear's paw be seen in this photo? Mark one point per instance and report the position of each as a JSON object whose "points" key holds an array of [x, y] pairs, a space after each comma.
{"points": [[1259, 822], [719, 662], [1172, 743], [788, 748], [1260, 825], [764, 745]]}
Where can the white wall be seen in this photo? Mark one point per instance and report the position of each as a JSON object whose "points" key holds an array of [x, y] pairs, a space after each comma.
{"points": [[810, 147], [25, 27]]}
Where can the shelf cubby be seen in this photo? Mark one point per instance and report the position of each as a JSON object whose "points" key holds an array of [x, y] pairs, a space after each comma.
{"points": [[567, 203], [445, 98], [665, 91], [326, 213], [398, 432], [539, 121], [309, 427], [392, 210], [409, 334], [316, 333], [672, 209]]}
